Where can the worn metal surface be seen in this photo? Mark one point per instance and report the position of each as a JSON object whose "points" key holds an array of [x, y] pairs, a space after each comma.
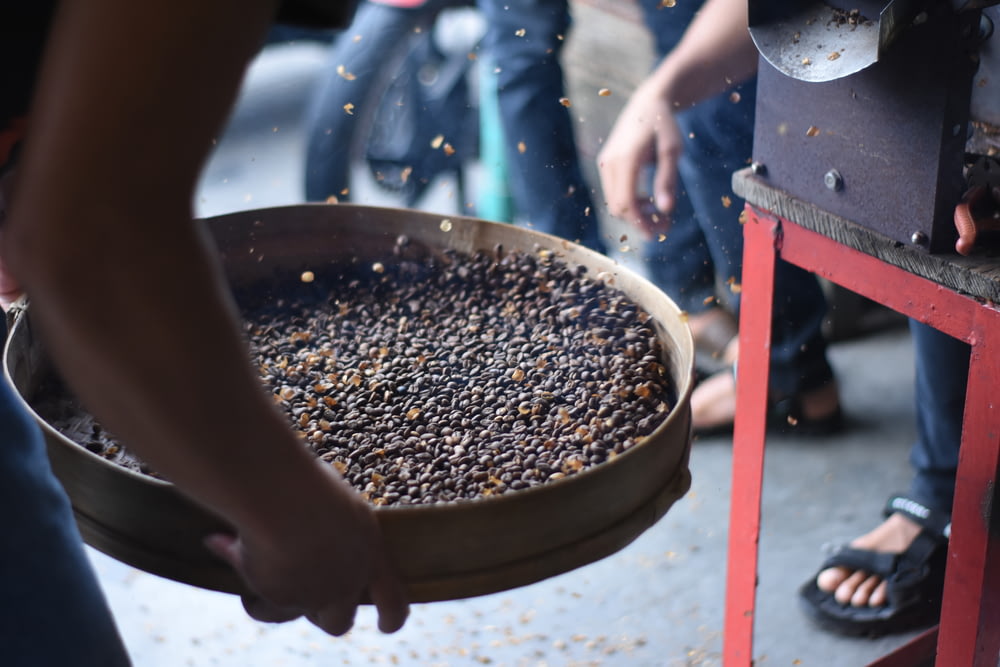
{"points": [[818, 41], [443, 551]]}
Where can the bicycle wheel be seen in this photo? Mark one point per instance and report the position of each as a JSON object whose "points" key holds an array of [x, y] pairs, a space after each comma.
{"points": [[385, 88]]}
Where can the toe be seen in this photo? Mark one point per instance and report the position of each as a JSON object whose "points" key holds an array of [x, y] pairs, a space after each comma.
{"points": [[880, 596], [829, 579], [862, 596], [845, 591]]}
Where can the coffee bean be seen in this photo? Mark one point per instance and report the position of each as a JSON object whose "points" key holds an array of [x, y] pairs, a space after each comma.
{"points": [[448, 377]]}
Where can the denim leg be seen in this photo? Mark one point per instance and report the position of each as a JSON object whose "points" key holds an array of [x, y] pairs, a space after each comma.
{"points": [[798, 349], [718, 140], [942, 370], [328, 126], [524, 41], [681, 264], [667, 24], [54, 612]]}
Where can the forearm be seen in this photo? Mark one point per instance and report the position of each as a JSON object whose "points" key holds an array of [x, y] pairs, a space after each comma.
{"points": [[131, 303], [715, 53]]}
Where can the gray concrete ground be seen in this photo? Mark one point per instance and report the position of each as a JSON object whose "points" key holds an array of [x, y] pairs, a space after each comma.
{"points": [[657, 602]]}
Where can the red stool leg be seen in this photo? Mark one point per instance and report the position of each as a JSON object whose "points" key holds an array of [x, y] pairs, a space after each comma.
{"points": [[970, 614], [968, 634], [759, 252]]}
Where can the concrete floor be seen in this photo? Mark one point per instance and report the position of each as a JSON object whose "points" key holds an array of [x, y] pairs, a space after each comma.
{"points": [[658, 602]]}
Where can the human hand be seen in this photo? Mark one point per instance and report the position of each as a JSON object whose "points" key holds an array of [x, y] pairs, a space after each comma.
{"points": [[645, 133], [320, 563], [977, 214]]}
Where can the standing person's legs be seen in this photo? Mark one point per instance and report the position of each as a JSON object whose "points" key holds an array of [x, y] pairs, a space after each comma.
{"points": [[524, 39], [351, 70], [687, 262], [54, 612], [667, 24], [867, 586], [942, 370], [698, 260], [680, 263], [718, 141]]}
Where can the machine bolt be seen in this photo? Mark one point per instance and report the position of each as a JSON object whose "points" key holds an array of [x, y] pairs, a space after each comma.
{"points": [[918, 238], [833, 180], [758, 168]]}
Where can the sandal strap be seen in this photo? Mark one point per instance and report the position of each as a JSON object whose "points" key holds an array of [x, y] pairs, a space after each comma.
{"points": [[872, 562], [916, 566], [901, 571], [937, 523]]}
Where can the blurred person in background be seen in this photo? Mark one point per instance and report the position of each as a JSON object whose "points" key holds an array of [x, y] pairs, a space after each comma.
{"points": [[523, 42], [694, 250], [889, 579], [698, 261]]}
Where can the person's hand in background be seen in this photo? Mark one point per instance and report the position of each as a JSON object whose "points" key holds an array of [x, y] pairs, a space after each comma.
{"points": [[645, 134]]}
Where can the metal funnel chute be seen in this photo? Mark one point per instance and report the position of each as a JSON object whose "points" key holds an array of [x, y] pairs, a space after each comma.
{"points": [[817, 41]]}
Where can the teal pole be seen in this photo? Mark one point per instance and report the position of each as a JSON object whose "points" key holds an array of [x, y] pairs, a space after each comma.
{"points": [[494, 201]]}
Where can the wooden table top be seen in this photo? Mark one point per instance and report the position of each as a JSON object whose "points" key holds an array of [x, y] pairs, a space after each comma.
{"points": [[977, 275]]}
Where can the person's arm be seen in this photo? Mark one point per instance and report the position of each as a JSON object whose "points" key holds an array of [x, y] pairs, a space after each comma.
{"points": [[715, 53], [128, 295]]}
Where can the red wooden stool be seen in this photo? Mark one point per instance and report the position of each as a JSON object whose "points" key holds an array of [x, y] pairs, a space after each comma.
{"points": [[956, 295]]}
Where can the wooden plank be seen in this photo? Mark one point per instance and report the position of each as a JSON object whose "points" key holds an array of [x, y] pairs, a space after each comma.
{"points": [[977, 276], [606, 47]]}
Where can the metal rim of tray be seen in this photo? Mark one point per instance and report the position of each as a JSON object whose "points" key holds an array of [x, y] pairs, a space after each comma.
{"points": [[641, 484]]}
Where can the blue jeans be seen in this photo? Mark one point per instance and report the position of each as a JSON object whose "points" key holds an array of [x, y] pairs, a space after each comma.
{"points": [[524, 40], [942, 370], [704, 248], [54, 612], [703, 251], [328, 127]]}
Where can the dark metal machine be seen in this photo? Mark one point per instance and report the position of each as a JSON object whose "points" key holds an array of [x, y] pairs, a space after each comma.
{"points": [[863, 109]]}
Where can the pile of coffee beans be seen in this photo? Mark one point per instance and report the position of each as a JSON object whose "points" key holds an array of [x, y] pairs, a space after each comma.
{"points": [[430, 377]]}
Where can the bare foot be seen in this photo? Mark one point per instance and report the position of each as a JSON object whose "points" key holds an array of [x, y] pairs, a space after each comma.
{"points": [[713, 402], [859, 588], [713, 330]]}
